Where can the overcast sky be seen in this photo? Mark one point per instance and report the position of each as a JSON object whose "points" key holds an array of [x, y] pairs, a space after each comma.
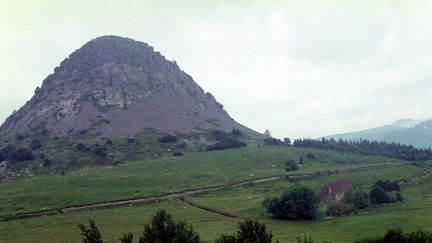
{"points": [[298, 68]]}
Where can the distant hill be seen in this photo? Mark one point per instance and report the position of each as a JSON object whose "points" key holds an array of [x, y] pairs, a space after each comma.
{"points": [[405, 131]]}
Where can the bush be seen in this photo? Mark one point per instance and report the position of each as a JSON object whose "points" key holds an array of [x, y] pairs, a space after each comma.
{"points": [[36, 144], [273, 141], [177, 154], [80, 146], [357, 197], [8, 149], [249, 231], [164, 229], [2, 156], [90, 234], [337, 208], [297, 203], [388, 185], [100, 151], [399, 236], [226, 143], [21, 154], [236, 132], [378, 195], [46, 162], [219, 135], [168, 139], [291, 165]]}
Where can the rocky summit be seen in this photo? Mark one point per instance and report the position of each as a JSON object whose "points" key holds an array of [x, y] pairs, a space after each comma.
{"points": [[116, 87]]}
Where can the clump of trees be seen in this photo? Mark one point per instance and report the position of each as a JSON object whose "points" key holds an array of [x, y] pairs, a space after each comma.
{"points": [[385, 192], [366, 147], [13, 154], [399, 236], [296, 203], [224, 141], [249, 231], [356, 199], [168, 139], [291, 165], [164, 229]]}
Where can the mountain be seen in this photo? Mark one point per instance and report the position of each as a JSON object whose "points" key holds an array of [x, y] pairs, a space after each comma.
{"points": [[117, 87], [405, 131]]}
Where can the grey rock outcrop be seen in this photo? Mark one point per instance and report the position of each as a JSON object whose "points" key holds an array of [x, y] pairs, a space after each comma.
{"points": [[117, 87]]}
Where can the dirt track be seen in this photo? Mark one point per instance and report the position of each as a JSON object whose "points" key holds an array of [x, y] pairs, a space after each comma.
{"points": [[187, 192]]}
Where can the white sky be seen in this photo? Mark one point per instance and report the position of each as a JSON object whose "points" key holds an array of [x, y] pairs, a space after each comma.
{"points": [[298, 68]]}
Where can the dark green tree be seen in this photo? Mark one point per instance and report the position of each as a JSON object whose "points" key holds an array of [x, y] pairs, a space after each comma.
{"points": [[90, 234], [357, 197], [249, 232], [378, 195], [163, 229], [127, 238], [291, 165], [297, 203]]}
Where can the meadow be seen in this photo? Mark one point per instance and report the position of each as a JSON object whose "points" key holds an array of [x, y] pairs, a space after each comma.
{"points": [[201, 169]]}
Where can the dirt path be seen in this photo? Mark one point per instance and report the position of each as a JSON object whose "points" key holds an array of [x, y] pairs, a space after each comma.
{"points": [[187, 192]]}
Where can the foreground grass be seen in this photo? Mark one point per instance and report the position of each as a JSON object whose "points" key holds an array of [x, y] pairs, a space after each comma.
{"points": [[157, 176], [414, 212]]}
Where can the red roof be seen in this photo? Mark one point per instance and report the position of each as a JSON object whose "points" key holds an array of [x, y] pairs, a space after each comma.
{"points": [[334, 188]]}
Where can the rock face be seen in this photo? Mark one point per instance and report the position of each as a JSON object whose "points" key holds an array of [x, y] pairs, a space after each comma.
{"points": [[117, 87]]}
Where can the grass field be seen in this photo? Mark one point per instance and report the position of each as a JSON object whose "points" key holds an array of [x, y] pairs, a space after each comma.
{"points": [[197, 170], [149, 177]]}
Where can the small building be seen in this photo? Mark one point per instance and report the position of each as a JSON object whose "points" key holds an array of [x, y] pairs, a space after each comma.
{"points": [[334, 191]]}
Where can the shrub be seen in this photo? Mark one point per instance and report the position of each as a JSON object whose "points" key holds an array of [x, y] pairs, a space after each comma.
{"points": [[273, 141], [127, 238], [2, 156], [236, 132], [177, 154], [164, 229], [131, 140], [168, 139], [337, 208], [226, 143], [291, 165], [21, 154], [100, 151], [388, 185], [297, 203], [399, 236], [219, 135], [378, 195], [46, 162], [310, 156], [80, 146], [36, 144], [8, 149], [90, 234], [249, 231], [357, 197]]}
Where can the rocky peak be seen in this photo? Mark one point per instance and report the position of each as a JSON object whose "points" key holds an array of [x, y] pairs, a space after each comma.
{"points": [[124, 82]]}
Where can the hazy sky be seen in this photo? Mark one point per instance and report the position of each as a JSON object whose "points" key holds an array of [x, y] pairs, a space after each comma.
{"points": [[298, 68]]}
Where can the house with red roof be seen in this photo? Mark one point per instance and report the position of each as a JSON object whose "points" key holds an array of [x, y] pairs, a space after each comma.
{"points": [[334, 191]]}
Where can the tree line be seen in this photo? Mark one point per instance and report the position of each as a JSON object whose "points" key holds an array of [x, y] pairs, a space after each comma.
{"points": [[366, 147]]}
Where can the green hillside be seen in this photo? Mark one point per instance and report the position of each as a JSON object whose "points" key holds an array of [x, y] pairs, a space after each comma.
{"points": [[210, 169]]}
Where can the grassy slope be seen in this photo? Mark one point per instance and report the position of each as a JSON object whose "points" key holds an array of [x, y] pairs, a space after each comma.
{"points": [[193, 170], [167, 174], [412, 213]]}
